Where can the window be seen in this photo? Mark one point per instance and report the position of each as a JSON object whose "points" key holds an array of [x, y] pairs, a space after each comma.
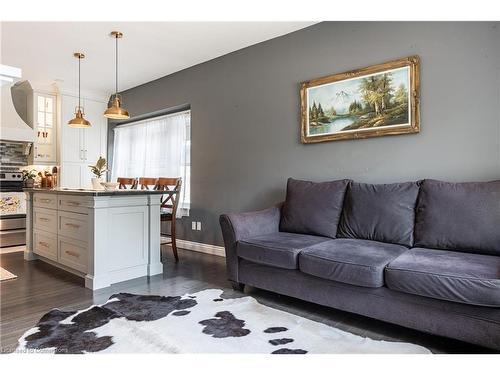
{"points": [[156, 147]]}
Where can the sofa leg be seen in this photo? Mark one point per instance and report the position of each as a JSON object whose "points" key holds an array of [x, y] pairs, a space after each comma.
{"points": [[239, 287]]}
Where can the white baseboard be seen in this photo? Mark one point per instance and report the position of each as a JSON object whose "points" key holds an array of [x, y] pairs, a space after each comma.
{"points": [[202, 247], [187, 245]]}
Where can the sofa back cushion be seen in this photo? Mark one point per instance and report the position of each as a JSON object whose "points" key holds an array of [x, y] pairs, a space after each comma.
{"points": [[383, 212], [313, 207], [459, 216]]}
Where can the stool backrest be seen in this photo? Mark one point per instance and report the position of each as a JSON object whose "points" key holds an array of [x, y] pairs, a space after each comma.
{"points": [[127, 181], [146, 182], [170, 200]]}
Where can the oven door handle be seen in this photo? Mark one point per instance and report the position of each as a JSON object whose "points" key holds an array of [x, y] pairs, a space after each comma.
{"points": [[12, 231], [8, 224]]}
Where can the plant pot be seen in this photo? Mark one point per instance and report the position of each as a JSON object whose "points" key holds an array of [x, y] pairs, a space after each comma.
{"points": [[96, 183], [29, 183]]}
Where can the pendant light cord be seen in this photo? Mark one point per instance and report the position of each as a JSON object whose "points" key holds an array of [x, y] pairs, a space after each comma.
{"points": [[116, 65], [79, 78]]}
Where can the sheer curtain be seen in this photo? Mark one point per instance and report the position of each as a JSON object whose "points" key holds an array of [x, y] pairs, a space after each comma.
{"points": [[157, 147]]}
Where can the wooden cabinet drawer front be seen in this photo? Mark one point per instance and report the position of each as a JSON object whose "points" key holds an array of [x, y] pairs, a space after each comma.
{"points": [[45, 244], [45, 200], [45, 219], [72, 204], [73, 225], [73, 253]]}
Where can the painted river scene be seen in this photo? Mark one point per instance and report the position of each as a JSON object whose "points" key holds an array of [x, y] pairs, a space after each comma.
{"points": [[359, 103]]}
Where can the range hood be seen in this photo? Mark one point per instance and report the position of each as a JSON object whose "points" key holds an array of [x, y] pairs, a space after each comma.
{"points": [[16, 119]]}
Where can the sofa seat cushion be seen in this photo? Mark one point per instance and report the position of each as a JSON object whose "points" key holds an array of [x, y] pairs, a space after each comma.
{"points": [[351, 261], [278, 249], [448, 275]]}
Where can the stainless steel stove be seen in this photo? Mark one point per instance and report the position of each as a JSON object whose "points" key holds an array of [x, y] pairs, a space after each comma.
{"points": [[12, 203]]}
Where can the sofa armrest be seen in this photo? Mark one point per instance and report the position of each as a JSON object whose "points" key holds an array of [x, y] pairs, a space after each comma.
{"points": [[236, 227]]}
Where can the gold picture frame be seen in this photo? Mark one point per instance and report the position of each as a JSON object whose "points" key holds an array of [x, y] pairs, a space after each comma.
{"points": [[378, 100]]}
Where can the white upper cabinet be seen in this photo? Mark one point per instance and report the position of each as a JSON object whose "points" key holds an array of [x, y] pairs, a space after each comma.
{"points": [[81, 147], [71, 138], [45, 145], [95, 135]]}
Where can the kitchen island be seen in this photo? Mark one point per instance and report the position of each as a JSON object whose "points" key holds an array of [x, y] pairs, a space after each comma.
{"points": [[103, 236]]}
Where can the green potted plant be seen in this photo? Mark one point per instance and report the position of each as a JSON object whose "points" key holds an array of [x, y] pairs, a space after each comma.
{"points": [[98, 170], [29, 178]]}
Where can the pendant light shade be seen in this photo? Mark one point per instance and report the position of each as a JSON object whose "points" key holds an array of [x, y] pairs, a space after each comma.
{"points": [[115, 110], [79, 121]]}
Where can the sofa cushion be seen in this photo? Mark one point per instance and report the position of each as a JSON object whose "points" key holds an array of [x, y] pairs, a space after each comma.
{"points": [[453, 276], [351, 261], [278, 249], [459, 216], [384, 212], [313, 207]]}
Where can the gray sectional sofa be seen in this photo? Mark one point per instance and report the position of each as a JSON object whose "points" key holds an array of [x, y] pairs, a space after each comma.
{"points": [[424, 255]]}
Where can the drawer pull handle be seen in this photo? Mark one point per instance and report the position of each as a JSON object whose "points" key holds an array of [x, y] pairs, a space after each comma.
{"points": [[76, 226], [72, 203], [45, 200], [72, 253], [44, 244], [44, 219]]}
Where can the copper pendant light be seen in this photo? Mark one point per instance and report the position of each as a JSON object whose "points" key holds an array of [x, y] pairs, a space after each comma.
{"points": [[115, 111], [79, 121]]}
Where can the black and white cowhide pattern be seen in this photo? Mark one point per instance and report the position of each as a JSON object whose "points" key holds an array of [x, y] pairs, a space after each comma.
{"points": [[203, 322]]}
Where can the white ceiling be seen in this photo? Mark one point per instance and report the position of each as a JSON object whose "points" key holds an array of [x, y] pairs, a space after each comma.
{"points": [[148, 50]]}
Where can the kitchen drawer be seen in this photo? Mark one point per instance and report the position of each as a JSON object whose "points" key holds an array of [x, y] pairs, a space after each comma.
{"points": [[73, 203], [72, 253], [73, 225], [45, 244], [45, 219], [45, 200]]}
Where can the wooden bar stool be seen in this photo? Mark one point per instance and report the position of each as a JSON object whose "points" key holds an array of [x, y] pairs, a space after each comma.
{"points": [[169, 204], [146, 182], [127, 181]]}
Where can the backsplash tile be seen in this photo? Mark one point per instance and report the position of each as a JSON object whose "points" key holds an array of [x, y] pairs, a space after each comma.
{"points": [[13, 154]]}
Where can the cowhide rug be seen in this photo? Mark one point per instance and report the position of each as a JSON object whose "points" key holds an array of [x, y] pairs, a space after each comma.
{"points": [[202, 322]]}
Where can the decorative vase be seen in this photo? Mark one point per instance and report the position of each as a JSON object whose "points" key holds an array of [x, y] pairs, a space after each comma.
{"points": [[29, 183], [96, 183]]}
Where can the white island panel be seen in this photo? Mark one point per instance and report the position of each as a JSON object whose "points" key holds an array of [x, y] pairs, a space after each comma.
{"points": [[129, 227], [104, 237]]}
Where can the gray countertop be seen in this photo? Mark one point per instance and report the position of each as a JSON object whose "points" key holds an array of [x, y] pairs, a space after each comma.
{"points": [[96, 193]]}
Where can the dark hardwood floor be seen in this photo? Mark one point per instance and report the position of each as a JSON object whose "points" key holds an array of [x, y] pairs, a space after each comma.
{"points": [[40, 287]]}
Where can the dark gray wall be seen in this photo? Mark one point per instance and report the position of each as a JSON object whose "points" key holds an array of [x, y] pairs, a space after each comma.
{"points": [[245, 113]]}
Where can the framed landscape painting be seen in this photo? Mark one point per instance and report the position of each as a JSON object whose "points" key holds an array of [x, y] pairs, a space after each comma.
{"points": [[378, 100]]}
